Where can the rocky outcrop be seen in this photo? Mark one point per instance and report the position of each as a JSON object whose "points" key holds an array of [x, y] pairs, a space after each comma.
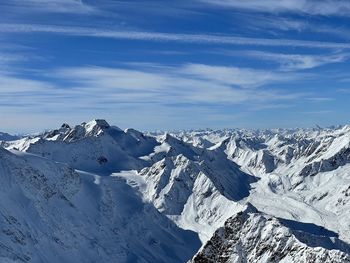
{"points": [[254, 237]]}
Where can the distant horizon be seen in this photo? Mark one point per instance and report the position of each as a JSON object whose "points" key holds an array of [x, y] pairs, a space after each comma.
{"points": [[72, 125], [179, 65]]}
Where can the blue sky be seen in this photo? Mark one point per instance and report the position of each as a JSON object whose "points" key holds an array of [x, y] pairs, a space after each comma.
{"points": [[174, 64]]}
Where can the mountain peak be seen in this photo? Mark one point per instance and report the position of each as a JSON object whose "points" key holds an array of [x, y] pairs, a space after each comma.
{"points": [[103, 124], [258, 237], [93, 128], [65, 126]]}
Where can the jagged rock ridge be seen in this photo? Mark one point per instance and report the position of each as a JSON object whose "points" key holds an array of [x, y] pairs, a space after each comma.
{"points": [[251, 236]]}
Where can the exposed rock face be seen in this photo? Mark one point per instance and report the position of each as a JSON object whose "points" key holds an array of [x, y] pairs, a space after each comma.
{"points": [[251, 236]]}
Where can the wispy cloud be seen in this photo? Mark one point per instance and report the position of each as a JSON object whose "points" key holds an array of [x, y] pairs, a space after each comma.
{"points": [[313, 7], [320, 112], [344, 90], [191, 83], [50, 6], [239, 77], [14, 56], [320, 99], [270, 24], [8, 58], [168, 37], [298, 61], [145, 89]]}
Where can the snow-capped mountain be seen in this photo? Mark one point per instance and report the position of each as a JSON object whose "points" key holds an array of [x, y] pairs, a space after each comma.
{"points": [[195, 187], [7, 137], [303, 174], [252, 236], [134, 197], [94, 146]]}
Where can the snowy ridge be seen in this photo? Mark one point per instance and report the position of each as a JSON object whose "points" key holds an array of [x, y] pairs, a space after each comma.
{"points": [[94, 146], [251, 236], [133, 197], [195, 187], [287, 187]]}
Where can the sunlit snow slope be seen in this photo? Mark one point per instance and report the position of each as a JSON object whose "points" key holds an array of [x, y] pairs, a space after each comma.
{"points": [[95, 192]]}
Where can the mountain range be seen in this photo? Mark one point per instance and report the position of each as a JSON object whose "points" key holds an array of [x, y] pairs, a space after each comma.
{"points": [[97, 193]]}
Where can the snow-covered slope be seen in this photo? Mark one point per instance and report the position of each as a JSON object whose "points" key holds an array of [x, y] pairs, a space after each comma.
{"points": [[254, 237], [197, 188], [164, 193], [94, 146], [50, 213]]}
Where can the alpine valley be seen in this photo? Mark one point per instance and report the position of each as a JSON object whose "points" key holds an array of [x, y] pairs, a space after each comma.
{"points": [[96, 193]]}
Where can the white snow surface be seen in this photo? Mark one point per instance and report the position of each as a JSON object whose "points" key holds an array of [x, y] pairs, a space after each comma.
{"points": [[123, 196], [51, 213]]}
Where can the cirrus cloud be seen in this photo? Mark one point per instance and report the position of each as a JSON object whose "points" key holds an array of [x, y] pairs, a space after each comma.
{"points": [[142, 89], [313, 7], [6, 28]]}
